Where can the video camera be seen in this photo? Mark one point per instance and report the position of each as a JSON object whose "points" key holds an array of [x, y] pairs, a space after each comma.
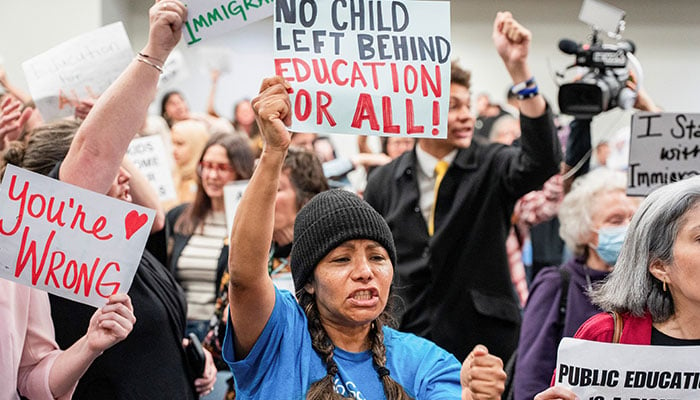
{"points": [[603, 82]]}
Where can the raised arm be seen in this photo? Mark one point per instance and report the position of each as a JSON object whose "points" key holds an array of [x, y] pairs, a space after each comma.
{"points": [[104, 136], [251, 292], [512, 41]]}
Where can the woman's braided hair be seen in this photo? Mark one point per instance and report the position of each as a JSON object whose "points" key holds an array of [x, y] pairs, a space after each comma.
{"points": [[324, 388]]}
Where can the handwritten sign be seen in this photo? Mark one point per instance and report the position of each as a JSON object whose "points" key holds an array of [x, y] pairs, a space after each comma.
{"points": [[66, 240], [80, 68], [148, 154], [210, 18], [664, 148], [605, 371], [366, 67], [233, 191], [175, 70]]}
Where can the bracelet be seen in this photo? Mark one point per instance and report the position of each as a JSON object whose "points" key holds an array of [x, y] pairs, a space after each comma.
{"points": [[528, 93], [151, 58], [515, 89], [146, 61]]}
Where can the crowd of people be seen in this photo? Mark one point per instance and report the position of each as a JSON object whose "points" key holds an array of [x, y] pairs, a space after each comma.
{"points": [[417, 283]]}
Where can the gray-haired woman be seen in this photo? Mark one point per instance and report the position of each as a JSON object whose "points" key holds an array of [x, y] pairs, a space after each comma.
{"points": [[594, 217], [654, 286]]}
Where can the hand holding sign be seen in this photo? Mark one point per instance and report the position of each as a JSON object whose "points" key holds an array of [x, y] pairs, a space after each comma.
{"points": [[557, 393], [111, 324]]}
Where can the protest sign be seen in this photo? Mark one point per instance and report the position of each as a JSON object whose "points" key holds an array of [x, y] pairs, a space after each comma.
{"points": [[148, 154], [606, 371], [66, 240], [664, 148], [365, 67], [211, 18], [80, 68], [233, 191], [175, 70]]}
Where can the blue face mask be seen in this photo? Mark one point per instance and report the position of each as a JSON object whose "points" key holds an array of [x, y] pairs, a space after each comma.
{"points": [[610, 240]]}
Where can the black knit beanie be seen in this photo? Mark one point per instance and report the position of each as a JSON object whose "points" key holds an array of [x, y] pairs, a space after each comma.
{"points": [[325, 222]]}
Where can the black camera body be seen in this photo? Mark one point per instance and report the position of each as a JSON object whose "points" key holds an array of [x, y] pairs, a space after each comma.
{"points": [[603, 85]]}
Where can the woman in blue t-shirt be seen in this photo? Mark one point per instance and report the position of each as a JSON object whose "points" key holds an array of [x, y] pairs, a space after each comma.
{"points": [[335, 341]]}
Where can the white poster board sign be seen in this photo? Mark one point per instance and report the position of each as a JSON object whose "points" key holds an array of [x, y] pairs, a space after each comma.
{"points": [[233, 191], [606, 371], [210, 18], [382, 68], [664, 148], [66, 240], [148, 154], [80, 68]]}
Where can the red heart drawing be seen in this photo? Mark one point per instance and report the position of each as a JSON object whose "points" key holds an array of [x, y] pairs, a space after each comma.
{"points": [[133, 222]]}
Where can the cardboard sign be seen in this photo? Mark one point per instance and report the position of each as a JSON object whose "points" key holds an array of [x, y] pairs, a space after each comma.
{"points": [[66, 240], [233, 191], [664, 148], [211, 18], [148, 154], [80, 68], [606, 371], [366, 67]]}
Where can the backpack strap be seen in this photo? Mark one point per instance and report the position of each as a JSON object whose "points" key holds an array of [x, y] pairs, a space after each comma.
{"points": [[617, 320], [563, 298]]}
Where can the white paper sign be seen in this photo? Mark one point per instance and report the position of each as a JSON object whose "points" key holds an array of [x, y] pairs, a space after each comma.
{"points": [[211, 18], [148, 154], [664, 148], [175, 70], [66, 240], [605, 371], [80, 68], [366, 68], [233, 191]]}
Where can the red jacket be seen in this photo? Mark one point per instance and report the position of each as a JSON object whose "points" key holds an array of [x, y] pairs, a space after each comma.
{"points": [[600, 328]]}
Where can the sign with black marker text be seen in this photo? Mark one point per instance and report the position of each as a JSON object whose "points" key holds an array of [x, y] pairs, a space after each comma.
{"points": [[365, 67], [664, 148], [606, 371]]}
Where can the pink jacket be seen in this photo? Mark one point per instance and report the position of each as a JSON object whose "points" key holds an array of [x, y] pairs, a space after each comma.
{"points": [[28, 348]]}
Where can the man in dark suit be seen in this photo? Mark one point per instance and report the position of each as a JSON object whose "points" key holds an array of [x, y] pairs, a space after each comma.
{"points": [[452, 271]]}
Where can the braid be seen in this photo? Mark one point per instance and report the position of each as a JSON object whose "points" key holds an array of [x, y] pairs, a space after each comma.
{"points": [[323, 389], [392, 389]]}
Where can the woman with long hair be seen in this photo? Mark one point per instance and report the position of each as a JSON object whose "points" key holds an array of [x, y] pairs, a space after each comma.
{"points": [[198, 229]]}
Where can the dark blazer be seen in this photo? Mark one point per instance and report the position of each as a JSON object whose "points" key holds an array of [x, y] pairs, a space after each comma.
{"points": [[178, 242], [456, 285]]}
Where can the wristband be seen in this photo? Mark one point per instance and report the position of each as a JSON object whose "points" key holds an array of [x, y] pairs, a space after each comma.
{"points": [[522, 85], [528, 93]]}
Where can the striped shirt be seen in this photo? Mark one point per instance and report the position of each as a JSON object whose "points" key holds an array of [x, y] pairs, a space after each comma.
{"points": [[196, 267]]}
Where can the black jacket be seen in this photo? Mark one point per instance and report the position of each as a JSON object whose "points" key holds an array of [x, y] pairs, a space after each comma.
{"points": [[456, 285]]}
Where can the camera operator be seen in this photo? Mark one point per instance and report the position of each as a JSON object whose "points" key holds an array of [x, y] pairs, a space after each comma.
{"points": [[579, 144]]}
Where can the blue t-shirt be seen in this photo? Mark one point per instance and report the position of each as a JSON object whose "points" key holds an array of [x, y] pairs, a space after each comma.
{"points": [[283, 364]]}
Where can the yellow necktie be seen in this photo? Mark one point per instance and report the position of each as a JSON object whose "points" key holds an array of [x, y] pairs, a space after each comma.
{"points": [[440, 169]]}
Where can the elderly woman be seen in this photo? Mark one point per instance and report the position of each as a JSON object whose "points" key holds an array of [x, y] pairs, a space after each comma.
{"points": [[594, 217], [654, 287], [333, 342]]}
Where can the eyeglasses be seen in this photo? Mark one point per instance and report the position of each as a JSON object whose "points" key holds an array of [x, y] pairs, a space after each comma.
{"points": [[219, 168]]}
